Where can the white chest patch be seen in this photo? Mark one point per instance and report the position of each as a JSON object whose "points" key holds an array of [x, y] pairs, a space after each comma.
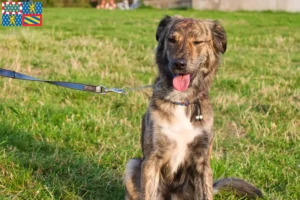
{"points": [[182, 132]]}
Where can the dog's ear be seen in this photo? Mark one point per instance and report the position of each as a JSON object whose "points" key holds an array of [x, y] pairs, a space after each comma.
{"points": [[219, 37], [162, 25]]}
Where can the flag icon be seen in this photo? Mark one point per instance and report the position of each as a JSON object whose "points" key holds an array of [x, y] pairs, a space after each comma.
{"points": [[32, 20], [22, 13]]}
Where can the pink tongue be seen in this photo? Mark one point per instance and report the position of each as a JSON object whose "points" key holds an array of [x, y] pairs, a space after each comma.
{"points": [[181, 82]]}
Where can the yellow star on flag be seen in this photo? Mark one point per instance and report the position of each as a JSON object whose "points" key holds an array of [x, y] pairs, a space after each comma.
{"points": [[12, 20], [32, 8]]}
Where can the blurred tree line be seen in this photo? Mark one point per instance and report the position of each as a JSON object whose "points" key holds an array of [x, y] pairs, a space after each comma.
{"points": [[66, 3]]}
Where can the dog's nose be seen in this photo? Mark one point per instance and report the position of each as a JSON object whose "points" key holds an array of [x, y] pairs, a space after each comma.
{"points": [[179, 63]]}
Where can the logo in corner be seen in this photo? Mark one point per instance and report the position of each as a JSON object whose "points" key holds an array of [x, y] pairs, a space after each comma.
{"points": [[22, 14]]}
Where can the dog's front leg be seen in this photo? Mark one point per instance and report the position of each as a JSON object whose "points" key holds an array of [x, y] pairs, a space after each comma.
{"points": [[150, 178], [203, 182], [203, 178]]}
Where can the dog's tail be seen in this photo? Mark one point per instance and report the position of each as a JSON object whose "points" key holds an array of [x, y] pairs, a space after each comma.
{"points": [[240, 187]]}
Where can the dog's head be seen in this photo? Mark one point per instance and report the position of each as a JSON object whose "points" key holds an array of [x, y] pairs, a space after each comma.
{"points": [[188, 51]]}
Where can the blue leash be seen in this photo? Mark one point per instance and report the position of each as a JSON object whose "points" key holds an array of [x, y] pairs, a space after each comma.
{"points": [[76, 86]]}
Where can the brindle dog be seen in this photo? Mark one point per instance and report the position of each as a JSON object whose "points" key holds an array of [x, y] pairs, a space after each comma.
{"points": [[177, 129]]}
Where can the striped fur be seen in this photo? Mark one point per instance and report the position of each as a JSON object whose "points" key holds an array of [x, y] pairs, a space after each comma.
{"points": [[176, 149]]}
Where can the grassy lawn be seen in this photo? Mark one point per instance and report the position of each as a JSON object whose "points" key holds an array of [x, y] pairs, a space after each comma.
{"points": [[57, 143]]}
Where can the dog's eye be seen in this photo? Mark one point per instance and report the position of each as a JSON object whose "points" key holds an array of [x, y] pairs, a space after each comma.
{"points": [[198, 42], [171, 40]]}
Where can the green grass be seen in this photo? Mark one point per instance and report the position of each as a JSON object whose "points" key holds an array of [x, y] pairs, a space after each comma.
{"points": [[57, 143]]}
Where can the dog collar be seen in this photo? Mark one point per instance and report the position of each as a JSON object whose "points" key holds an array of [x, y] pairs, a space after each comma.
{"points": [[198, 112], [181, 103]]}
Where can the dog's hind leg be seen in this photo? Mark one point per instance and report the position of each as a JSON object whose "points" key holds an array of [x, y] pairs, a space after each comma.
{"points": [[132, 179]]}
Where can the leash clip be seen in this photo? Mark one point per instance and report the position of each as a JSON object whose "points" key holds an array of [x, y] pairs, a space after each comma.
{"points": [[105, 90]]}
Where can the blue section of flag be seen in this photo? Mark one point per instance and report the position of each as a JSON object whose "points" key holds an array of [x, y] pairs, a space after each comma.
{"points": [[28, 8], [11, 20], [11, 8]]}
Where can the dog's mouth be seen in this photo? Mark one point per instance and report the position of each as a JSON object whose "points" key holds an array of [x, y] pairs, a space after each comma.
{"points": [[181, 82]]}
